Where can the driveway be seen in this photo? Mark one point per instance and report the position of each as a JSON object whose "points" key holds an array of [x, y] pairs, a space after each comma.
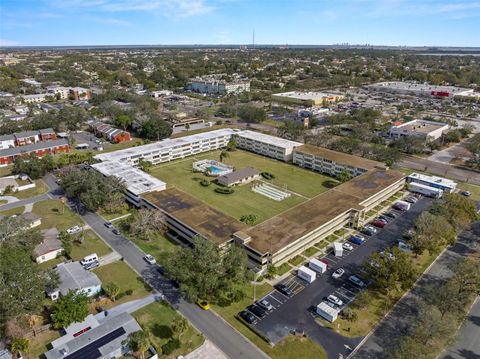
{"points": [[295, 313]]}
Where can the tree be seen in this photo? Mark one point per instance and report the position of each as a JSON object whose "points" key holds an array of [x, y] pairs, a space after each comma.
{"points": [[431, 232], [349, 314], [145, 165], [291, 130], [155, 129], [19, 345], [271, 271], [112, 290], [458, 210], [205, 272], [344, 176], [467, 276], [232, 144], [124, 121], [69, 309], [147, 223], [223, 155], [249, 219], [251, 114], [179, 325], [139, 342]]}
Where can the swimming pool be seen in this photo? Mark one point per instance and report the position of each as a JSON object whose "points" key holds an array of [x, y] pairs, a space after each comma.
{"points": [[215, 170]]}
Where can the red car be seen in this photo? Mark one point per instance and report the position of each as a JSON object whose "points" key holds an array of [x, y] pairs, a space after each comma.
{"points": [[325, 261], [377, 223]]}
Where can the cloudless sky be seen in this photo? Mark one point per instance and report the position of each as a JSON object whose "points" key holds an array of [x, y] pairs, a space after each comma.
{"points": [[130, 22]]}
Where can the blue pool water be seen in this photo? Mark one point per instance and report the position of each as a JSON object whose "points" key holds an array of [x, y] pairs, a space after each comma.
{"points": [[214, 170]]}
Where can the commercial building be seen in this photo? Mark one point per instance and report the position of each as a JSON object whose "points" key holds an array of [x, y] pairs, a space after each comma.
{"points": [[110, 133], [428, 130], [40, 149], [419, 89], [307, 98], [243, 176], [95, 340], [331, 162], [73, 277], [444, 184], [218, 87], [136, 181], [266, 145], [171, 149]]}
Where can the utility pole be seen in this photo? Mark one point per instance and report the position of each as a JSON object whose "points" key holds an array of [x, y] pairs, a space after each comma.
{"points": [[253, 39]]}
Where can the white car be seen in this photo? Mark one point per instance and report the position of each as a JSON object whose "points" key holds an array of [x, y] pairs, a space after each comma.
{"points": [[338, 273], [149, 259], [335, 300], [74, 229], [347, 246]]}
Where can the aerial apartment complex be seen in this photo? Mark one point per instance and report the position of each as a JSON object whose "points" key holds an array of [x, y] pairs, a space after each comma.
{"points": [[279, 238], [214, 86]]}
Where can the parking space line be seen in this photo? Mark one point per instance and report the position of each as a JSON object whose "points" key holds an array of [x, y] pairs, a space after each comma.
{"points": [[275, 299]]}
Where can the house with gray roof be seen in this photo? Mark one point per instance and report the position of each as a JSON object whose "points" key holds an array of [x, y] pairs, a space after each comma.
{"points": [[73, 277], [245, 175], [94, 340]]}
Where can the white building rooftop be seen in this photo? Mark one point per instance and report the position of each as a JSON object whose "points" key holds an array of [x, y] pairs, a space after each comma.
{"points": [[136, 180], [434, 179], [167, 144], [424, 87], [310, 95], [272, 140]]}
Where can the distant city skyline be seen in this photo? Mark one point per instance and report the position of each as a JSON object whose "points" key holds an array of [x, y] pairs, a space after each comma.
{"points": [[182, 22]]}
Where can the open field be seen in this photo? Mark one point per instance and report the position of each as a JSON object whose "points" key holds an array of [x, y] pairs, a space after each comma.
{"points": [[91, 244], [474, 189], [55, 214], [122, 275], [305, 183], [157, 318], [40, 188]]}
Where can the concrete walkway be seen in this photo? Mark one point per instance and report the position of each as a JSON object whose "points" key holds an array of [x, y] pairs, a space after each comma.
{"points": [[207, 351], [128, 307], [9, 199]]}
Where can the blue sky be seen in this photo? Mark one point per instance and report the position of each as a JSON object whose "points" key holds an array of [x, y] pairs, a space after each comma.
{"points": [[114, 22]]}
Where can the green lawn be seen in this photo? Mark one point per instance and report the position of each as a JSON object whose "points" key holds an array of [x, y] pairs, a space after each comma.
{"points": [[290, 347], [284, 268], [121, 274], [55, 214], [160, 247], [244, 201], [6, 171], [40, 188], [91, 244], [157, 318], [52, 263], [11, 212], [38, 344], [310, 252], [297, 260], [474, 189], [3, 201]]}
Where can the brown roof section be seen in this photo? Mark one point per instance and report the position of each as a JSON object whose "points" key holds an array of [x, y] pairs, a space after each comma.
{"points": [[285, 228], [206, 220], [339, 157], [49, 244], [239, 175]]}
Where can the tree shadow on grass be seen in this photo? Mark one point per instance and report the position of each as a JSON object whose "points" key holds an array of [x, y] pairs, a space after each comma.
{"points": [[162, 331], [329, 183]]}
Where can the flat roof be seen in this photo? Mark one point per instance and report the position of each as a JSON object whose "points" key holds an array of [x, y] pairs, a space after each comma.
{"points": [[310, 95], [269, 139], [399, 85], [202, 218], [433, 179], [420, 126], [278, 232], [136, 180], [339, 157], [166, 144]]}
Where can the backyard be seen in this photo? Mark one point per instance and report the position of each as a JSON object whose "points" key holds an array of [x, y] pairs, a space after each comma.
{"points": [[303, 183]]}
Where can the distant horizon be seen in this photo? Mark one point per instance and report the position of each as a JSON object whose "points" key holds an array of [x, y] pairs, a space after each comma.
{"points": [[411, 23]]}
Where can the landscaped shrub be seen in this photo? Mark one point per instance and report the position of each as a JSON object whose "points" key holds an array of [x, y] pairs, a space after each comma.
{"points": [[224, 190], [204, 183], [170, 346], [129, 292], [120, 296], [268, 175]]}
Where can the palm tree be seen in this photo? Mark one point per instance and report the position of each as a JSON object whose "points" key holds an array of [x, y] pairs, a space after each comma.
{"points": [[179, 325], [223, 155], [139, 342], [20, 345]]}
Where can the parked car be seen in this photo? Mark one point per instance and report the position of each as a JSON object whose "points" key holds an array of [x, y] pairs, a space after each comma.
{"points": [[377, 223], [392, 215], [411, 200], [247, 316], [149, 259], [282, 288], [368, 231], [356, 281], [357, 239], [338, 273], [91, 265], [259, 312], [347, 246], [265, 304], [385, 218], [203, 304], [466, 193], [74, 229], [323, 260], [335, 300], [389, 255], [116, 231], [109, 225]]}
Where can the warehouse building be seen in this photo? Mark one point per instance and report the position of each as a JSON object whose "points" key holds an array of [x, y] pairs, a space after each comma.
{"points": [[444, 184], [419, 89], [307, 98], [266, 145], [218, 87], [429, 130], [331, 162]]}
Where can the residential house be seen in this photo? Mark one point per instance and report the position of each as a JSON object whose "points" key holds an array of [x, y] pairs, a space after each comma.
{"points": [[27, 137], [243, 176], [49, 248], [73, 277], [47, 134]]}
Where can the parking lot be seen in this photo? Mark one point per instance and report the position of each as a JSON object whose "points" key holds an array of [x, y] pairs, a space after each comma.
{"points": [[295, 312], [88, 138]]}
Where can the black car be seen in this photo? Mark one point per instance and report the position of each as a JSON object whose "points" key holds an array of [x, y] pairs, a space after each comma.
{"points": [[116, 231], [259, 312], [367, 231], [385, 218], [160, 270], [247, 316], [390, 214], [282, 288]]}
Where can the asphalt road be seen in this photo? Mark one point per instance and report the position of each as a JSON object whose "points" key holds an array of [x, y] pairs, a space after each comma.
{"points": [[23, 202], [208, 323], [468, 344], [296, 312], [399, 321]]}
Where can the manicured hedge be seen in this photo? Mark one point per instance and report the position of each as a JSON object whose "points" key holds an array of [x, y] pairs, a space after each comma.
{"points": [[268, 175], [224, 190]]}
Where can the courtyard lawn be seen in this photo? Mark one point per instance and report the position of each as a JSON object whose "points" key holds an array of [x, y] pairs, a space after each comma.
{"points": [[55, 214], [160, 247], [122, 275], [91, 244], [244, 201], [40, 188], [157, 318]]}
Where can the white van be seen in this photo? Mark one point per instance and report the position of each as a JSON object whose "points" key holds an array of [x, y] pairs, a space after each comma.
{"points": [[89, 259]]}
